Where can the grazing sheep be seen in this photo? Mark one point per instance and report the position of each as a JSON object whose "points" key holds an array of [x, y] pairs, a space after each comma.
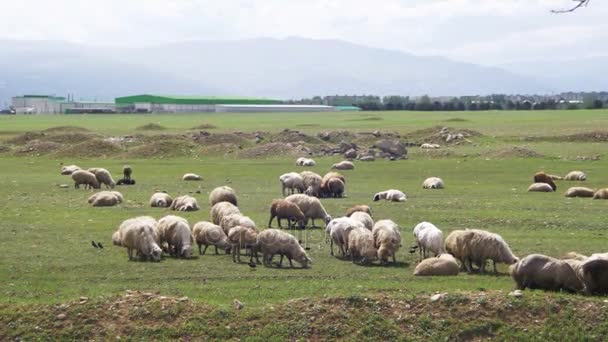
{"points": [[542, 272], [192, 177], [343, 165], [331, 175], [292, 181], [222, 209], [601, 194], [283, 209], [312, 183], [361, 246], [338, 230], [428, 238], [103, 177], [540, 187], [429, 146], [105, 199], [209, 234], [443, 265], [222, 194], [576, 176], [387, 239], [305, 162], [184, 203], [390, 195], [364, 218], [273, 241], [579, 191], [175, 232], [594, 273], [139, 234], [160, 200], [333, 188], [542, 177], [85, 177], [68, 170], [473, 245], [433, 183], [360, 207], [311, 207], [126, 172], [231, 221], [243, 238]]}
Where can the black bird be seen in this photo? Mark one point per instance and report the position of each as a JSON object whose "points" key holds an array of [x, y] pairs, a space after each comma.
{"points": [[94, 244], [99, 244]]}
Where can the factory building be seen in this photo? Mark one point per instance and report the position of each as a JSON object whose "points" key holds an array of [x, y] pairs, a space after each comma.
{"points": [[49, 104]]}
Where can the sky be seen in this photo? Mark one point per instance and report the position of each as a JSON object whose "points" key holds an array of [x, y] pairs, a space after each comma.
{"points": [[489, 32]]}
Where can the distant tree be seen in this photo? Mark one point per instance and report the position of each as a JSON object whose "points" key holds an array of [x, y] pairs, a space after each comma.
{"points": [[540, 105], [526, 105], [551, 104], [572, 106], [472, 106], [460, 106], [510, 105], [484, 106], [598, 104], [424, 103]]}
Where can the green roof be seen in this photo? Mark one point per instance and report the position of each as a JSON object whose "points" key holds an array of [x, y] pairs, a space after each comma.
{"points": [[204, 100]]}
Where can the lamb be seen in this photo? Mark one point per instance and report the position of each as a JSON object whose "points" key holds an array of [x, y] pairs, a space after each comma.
{"points": [[601, 194], [68, 170], [576, 176], [390, 195], [429, 146], [305, 162], [222, 194], [387, 239], [477, 246], [364, 218], [579, 191], [542, 177], [85, 177], [540, 187], [292, 181], [433, 183], [161, 200], [594, 273], [184, 203], [106, 199], [139, 234], [243, 238], [312, 183], [443, 265], [274, 241], [231, 221], [192, 177], [338, 231], [361, 245], [311, 207], [538, 271], [428, 238], [175, 232], [103, 176], [343, 165], [222, 209], [281, 209], [360, 207], [209, 234]]}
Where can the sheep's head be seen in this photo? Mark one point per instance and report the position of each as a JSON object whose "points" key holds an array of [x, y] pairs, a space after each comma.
{"points": [[376, 197], [156, 253], [304, 260], [161, 203], [186, 252]]}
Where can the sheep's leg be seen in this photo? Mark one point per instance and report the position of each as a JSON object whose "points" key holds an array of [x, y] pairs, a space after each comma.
{"points": [[130, 252], [283, 189], [331, 247], [394, 259], [494, 264], [482, 267], [270, 222], [420, 248], [215, 246], [290, 263], [313, 222], [468, 265], [234, 251], [279, 222], [281, 261], [199, 250]]}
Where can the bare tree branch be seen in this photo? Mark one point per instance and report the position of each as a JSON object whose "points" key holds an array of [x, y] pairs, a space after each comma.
{"points": [[580, 4]]}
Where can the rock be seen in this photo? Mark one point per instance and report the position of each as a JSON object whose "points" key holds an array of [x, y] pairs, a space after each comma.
{"points": [[237, 304], [437, 297], [350, 154], [367, 158], [61, 316], [182, 299], [516, 294], [394, 148]]}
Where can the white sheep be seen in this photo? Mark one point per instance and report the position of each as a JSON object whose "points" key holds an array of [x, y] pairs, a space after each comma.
{"points": [[359, 207], [312, 183], [293, 182], [243, 238], [443, 265], [337, 230], [106, 199], [433, 183], [85, 177], [430, 146], [594, 274], [473, 245], [103, 176], [175, 232], [191, 177], [160, 200], [184, 203], [311, 207], [343, 165], [428, 238], [361, 245], [69, 169], [538, 271], [364, 218], [209, 234], [579, 191], [390, 195], [222, 194], [234, 220], [139, 234], [576, 176], [284, 209], [273, 241], [387, 239], [540, 187], [305, 162], [222, 209]]}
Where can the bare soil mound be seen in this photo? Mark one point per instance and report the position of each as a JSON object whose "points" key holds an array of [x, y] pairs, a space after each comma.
{"points": [[336, 137], [274, 149], [71, 138], [4, 149], [162, 148], [209, 139], [151, 127], [294, 136], [514, 152], [66, 129], [442, 135], [26, 137], [456, 120], [90, 149], [204, 126], [593, 136], [38, 147]]}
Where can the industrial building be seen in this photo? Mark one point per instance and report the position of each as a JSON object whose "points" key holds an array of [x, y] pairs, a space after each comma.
{"points": [[272, 108], [49, 104], [183, 104]]}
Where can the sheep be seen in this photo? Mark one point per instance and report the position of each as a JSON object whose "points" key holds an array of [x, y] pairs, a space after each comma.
{"points": [[292, 181], [161, 200], [222, 209], [337, 230], [120, 198], [538, 271], [433, 183], [387, 239], [443, 265], [68, 170], [364, 218], [103, 176], [191, 177], [601, 194], [333, 188], [222, 194], [542, 177], [361, 245], [556, 177], [126, 172], [312, 183], [331, 175], [594, 274], [243, 238], [175, 232], [428, 238], [390, 195], [579, 191], [429, 146], [574, 256], [274, 241], [343, 165], [477, 246], [184, 203], [231, 221], [105, 199], [207, 233], [360, 207], [85, 177], [311, 207], [576, 176], [305, 162], [540, 187], [281, 209], [139, 234]]}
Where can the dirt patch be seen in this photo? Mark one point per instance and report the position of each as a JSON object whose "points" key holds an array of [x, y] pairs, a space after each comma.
{"points": [[4, 149], [443, 135], [204, 126], [90, 149], [209, 139], [368, 118], [308, 125], [66, 129], [593, 136], [71, 138], [151, 127], [26, 137], [514, 152], [38, 147], [456, 120], [336, 137], [274, 149], [294, 136], [162, 148]]}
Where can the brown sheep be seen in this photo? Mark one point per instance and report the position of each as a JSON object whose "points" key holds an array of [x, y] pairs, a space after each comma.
{"points": [[601, 194], [542, 177], [281, 209], [579, 191], [360, 207]]}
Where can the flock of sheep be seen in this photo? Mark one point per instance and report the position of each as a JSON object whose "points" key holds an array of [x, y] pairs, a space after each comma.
{"points": [[356, 234]]}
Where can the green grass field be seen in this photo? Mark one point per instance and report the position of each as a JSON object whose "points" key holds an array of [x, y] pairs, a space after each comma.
{"points": [[45, 234]]}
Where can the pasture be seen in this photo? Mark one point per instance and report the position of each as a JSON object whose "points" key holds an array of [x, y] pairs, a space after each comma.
{"points": [[46, 232]]}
